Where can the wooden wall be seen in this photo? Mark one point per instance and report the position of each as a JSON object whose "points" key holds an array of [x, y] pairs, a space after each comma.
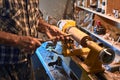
{"points": [[112, 4]]}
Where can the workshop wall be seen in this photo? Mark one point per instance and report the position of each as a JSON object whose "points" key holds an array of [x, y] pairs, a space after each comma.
{"points": [[54, 8]]}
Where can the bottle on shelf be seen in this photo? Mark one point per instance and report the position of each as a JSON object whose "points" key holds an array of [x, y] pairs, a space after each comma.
{"points": [[103, 6], [99, 6], [99, 29]]}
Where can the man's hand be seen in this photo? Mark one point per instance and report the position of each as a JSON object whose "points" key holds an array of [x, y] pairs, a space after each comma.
{"points": [[53, 31], [27, 43]]}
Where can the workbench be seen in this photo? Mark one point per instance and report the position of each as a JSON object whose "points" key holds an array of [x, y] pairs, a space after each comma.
{"points": [[69, 68], [56, 72]]}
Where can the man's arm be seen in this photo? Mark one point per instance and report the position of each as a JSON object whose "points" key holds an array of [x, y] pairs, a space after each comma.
{"points": [[8, 38], [48, 29], [23, 42]]}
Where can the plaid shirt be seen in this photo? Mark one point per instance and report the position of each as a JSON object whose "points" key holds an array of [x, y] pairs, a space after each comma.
{"points": [[19, 17]]}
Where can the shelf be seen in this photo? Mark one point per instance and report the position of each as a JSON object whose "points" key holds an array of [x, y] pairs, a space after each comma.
{"points": [[100, 14], [100, 37]]}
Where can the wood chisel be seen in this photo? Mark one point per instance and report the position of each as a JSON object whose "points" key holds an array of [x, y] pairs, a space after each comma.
{"points": [[53, 38]]}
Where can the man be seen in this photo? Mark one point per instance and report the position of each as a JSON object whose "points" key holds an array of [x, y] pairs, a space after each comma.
{"points": [[20, 22]]}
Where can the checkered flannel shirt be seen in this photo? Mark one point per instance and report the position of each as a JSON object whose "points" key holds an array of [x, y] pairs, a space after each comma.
{"points": [[19, 17]]}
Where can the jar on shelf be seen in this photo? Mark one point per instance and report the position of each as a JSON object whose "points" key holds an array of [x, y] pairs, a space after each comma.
{"points": [[93, 3], [99, 29]]}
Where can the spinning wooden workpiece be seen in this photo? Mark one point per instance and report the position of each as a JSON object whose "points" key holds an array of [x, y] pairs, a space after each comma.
{"points": [[94, 55]]}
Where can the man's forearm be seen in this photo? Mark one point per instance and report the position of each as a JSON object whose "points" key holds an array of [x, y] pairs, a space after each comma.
{"points": [[8, 38], [43, 25]]}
